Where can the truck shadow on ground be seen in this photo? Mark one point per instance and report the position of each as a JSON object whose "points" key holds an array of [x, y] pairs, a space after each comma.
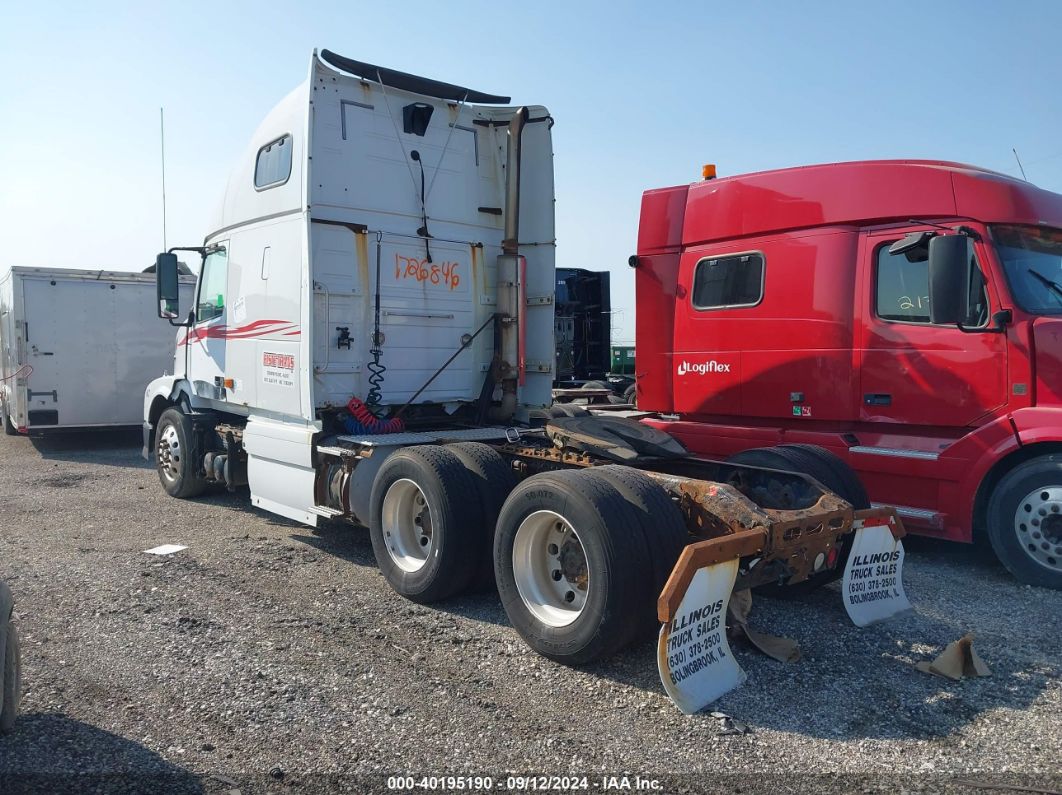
{"points": [[118, 447], [52, 753], [352, 544]]}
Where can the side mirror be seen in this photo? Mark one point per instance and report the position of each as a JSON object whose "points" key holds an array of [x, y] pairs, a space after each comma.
{"points": [[949, 260], [167, 285]]}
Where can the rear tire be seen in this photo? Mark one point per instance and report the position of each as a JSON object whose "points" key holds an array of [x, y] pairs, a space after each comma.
{"points": [[829, 470], [177, 455], [662, 524], [1025, 521], [494, 480], [426, 523], [630, 395], [577, 525]]}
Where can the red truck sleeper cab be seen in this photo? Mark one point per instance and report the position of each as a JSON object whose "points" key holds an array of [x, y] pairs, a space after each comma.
{"points": [[771, 310]]}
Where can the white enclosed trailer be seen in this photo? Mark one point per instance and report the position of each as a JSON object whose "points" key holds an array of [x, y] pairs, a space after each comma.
{"points": [[372, 340], [77, 347]]}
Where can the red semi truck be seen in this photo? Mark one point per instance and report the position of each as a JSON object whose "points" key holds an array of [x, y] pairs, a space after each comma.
{"points": [[906, 315]]}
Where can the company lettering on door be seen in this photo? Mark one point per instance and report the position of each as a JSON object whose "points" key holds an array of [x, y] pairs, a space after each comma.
{"points": [[278, 369]]}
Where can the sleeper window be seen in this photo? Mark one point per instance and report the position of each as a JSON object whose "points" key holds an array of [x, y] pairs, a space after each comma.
{"points": [[720, 282], [273, 166]]}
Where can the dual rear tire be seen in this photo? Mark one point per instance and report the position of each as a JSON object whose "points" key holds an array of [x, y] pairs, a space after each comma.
{"points": [[569, 557], [579, 556]]}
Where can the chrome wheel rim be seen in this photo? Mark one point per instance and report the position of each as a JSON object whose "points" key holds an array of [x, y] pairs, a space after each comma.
{"points": [[550, 568], [169, 453], [407, 525], [1038, 526]]}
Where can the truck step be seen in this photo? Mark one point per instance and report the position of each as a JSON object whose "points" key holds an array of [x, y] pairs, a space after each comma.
{"points": [[327, 513]]}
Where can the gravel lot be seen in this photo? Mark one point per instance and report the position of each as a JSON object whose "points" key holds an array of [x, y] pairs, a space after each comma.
{"points": [[271, 656]]}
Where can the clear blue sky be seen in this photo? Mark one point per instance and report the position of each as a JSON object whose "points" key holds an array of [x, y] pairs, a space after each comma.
{"points": [[643, 94]]}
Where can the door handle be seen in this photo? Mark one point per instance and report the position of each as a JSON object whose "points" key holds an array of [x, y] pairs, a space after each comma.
{"points": [[878, 399]]}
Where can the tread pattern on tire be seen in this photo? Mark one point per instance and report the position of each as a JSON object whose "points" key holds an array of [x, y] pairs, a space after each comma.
{"points": [[624, 546], [494, 479], [1000, 521], [662, 524], [455, 483], [192, 483], [843, 479]]}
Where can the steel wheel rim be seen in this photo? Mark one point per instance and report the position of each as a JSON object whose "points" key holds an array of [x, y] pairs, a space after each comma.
{"points": [[550, 568], [407, 525], [169, 453], [1038, 526]]}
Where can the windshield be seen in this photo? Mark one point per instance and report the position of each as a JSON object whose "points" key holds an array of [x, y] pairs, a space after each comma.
{"points": [[1032, 259]]}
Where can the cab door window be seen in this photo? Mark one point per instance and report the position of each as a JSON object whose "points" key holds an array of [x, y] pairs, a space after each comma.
{"points": [[902, 287], [212, 286]]}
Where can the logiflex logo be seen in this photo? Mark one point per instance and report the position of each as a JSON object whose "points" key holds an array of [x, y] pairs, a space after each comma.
{"points": [[702, 368]]}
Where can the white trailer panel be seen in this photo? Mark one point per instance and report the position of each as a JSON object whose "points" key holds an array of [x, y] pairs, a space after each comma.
{"points": [[79, 347]]}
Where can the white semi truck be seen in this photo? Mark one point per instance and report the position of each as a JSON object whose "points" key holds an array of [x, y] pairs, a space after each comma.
{"points": [[372, 341], [77, 347]]}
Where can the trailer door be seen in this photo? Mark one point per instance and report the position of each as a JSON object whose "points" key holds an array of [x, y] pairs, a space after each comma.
{"points": [[70, 345]]}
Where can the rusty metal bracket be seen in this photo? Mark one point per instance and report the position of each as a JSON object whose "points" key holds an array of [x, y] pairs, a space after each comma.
{"points": [[705, 553]]}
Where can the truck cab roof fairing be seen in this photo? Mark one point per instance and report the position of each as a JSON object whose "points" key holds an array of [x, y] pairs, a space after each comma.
{"points": [[411, 83]]}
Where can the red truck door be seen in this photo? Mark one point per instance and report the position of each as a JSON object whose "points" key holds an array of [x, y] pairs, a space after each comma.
{"points": [[912, 371]]}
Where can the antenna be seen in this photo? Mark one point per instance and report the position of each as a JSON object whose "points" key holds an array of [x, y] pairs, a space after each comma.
{"points": [[162, 140], [1015, 151]]}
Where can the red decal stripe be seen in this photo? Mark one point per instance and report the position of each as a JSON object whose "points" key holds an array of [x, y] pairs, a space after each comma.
{"points": [[258, 328]]}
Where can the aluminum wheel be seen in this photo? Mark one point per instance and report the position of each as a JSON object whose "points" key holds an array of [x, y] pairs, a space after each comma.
{"points": [[550, 568], [169, 453], [407, 530], [1038, 525]]}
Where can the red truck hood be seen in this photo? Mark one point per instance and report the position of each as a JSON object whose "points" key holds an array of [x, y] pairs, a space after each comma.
{"points": [[1047, 341]]}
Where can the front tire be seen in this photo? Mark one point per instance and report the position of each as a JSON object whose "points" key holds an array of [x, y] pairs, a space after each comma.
{"points": [[569, 558], [1025, 521], [177, 454]]}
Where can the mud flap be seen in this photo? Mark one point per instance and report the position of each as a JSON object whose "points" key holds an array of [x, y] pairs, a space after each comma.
{"points": [[872, 587], [694, 659]]}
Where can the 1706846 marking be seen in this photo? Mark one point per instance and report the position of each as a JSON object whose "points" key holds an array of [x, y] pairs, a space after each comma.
{"points": [[437, 273]]}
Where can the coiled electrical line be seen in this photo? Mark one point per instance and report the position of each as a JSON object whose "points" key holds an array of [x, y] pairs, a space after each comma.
{"points": [[376, 368]]}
